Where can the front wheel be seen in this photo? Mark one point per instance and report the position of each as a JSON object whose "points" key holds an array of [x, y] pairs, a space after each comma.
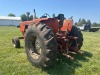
{"points": [[77, 33], [16, 42], [40, 45]]}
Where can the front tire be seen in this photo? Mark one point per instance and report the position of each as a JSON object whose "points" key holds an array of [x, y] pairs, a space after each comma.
{"points": [[40, 45], [77, 33], [16, 42]]}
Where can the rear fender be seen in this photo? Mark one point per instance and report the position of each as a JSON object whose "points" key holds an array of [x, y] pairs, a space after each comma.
{"points": [[53, 23]]}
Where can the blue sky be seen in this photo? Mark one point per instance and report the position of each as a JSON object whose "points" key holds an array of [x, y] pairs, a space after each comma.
{"points": [[87, 9]]}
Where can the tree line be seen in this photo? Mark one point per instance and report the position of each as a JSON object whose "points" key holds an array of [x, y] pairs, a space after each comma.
{"points": [[83, 21], [29, 17], [24, 17]]}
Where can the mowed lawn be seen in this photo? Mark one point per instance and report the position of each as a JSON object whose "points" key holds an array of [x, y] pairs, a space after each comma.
{"points": [[14, 61]]}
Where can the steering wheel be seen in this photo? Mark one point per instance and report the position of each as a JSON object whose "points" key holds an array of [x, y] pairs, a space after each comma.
{"points": [[46, 15]]}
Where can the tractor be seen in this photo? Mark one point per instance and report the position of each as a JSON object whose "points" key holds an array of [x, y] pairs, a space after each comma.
{"points": [[45, 37]]}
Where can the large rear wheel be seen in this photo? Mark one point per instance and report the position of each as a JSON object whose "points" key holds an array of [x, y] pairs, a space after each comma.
{"points": [[40, 45]]}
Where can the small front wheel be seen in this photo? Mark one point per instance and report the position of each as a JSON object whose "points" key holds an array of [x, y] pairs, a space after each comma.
{"points": [[16, 42]]}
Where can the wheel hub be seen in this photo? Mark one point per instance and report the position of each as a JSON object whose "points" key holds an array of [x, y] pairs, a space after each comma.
{"points": [[35, 49]]}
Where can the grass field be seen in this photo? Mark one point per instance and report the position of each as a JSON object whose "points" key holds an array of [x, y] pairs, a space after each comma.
{"points": [[14, 62]]}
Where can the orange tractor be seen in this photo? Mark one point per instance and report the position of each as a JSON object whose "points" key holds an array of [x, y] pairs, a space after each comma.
{"points": [[45, 37]]}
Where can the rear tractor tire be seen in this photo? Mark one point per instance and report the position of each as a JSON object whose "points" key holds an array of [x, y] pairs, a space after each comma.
{"points": [[16, 42], [40, 45]]}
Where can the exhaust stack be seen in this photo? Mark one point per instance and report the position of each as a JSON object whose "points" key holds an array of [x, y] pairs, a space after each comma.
{"points": [[34, 14]]}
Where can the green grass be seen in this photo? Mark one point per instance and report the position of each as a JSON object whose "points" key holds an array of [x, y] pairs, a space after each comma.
{"points": [[14, 61]]}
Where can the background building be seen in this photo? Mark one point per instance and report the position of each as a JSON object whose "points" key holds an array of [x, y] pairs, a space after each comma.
{"points": [[7, 20]]}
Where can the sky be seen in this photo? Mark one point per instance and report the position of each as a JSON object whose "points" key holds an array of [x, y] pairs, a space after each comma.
{"points": [[87, 9]]}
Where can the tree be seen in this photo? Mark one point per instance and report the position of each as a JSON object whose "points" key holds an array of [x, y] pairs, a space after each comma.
{"points": [[23, 17], [27, 13], [81, 22], [31, 17], [96, 24], [75, 23], [10, 14], [88, 22]]}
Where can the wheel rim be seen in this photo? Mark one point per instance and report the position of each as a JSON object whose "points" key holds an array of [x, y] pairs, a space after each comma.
{"points": [[35, 48]]}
